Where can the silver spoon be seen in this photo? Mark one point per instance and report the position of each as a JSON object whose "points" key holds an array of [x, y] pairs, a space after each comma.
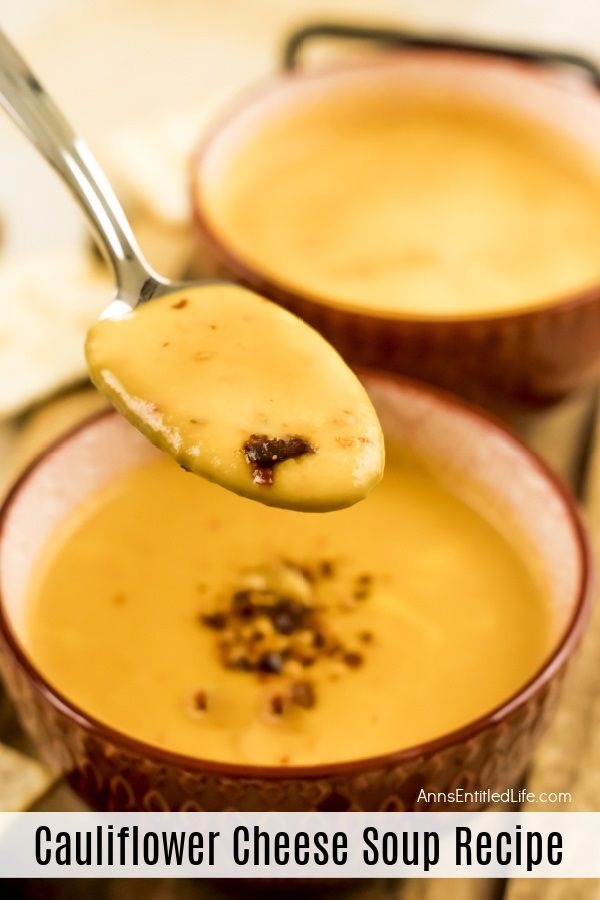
{"points": [[38, 117], [251, 398]]}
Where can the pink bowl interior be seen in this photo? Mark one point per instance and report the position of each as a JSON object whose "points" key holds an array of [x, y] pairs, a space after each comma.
{"points": [[516, 488]]}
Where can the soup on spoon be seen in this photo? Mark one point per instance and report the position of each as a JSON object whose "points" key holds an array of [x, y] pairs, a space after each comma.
{"points": [[233, 387], [242, 392]]}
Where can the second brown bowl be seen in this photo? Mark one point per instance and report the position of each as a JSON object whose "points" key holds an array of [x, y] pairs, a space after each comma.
{"points": [[535, 354]]}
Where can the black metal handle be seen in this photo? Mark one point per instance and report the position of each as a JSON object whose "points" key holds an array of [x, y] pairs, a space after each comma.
{"points": [[390, 37]]}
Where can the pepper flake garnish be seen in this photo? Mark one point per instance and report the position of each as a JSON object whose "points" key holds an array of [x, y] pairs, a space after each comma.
{"points": [[264, 453], [273, 626]]}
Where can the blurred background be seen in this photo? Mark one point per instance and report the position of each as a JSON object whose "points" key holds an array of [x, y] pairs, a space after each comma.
{"points": [[141, 80], [122, 64]]}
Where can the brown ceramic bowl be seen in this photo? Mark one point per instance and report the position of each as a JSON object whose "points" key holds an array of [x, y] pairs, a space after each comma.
{"points": [[536, 354], [115, 772]]}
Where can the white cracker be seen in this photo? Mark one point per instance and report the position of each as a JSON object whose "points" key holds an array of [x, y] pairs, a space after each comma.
{"points": [[22, 780], [47, 303]]}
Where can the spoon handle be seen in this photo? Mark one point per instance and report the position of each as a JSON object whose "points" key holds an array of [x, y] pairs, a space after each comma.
{"points": [[38, 117]]}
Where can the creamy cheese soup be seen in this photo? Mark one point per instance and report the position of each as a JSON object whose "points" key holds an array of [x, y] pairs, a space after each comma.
{"points": [[244, 393], [203, 623], [406, 203]]}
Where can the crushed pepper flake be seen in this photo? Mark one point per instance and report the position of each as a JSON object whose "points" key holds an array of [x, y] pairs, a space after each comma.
{"points": [[200, 700], [263, 453], [326, 568], [217, 620], [303, 694], [353, 660], [271, 662], [277, 704]]}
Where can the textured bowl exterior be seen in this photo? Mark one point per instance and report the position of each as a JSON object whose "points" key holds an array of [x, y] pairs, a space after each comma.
{"points": [[534, 355], [109, 775]]}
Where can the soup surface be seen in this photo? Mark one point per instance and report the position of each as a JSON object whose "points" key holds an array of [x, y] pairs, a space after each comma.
{"points": [[300, 433], [198, 621], [408, 203]]}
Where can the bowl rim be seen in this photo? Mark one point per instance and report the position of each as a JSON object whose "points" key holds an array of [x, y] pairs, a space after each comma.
{"points": [[251, 275], [565, 644]]}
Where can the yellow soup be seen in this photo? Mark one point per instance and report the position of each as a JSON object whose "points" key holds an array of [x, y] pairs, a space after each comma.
{"points": [[204, 623], [240, 391], [410, 204]]}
